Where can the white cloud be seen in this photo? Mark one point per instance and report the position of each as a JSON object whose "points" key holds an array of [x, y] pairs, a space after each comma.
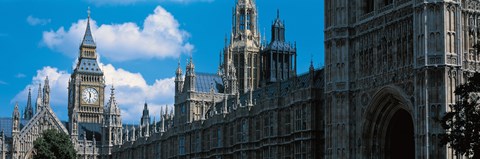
{"points": [[160, 37], [131, 91], [3, 83], [127, 2], [34, 21]]}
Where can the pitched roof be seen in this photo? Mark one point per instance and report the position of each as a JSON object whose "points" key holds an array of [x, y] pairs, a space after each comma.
{"points": [[88, 37], [88, 66], [204, 81], [89, 129]]}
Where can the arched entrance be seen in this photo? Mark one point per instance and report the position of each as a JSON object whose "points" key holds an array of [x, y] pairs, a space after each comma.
{"points": [[388, 130], [399, 138]]}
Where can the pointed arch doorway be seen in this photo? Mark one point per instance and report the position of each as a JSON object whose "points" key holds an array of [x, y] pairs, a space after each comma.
{"points": [[388, 130]]}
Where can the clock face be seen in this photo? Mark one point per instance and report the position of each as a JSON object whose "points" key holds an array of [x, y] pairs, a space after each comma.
{"points": [[89, 95]]}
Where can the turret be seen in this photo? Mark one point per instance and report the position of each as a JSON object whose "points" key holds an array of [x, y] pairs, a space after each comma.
{"points": [[178, 80], [279, 57], [190, 77], [244, 48], [112, 124]]}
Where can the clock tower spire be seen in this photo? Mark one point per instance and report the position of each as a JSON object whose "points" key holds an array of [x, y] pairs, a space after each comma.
{"points": [[87, 82]]}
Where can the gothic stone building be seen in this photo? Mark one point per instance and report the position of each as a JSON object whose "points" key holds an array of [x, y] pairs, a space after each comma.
{"points": [[256, 106], [391, 67], [18, 133]]}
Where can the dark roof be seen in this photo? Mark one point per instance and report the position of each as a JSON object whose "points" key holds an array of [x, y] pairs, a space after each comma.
{"points": [[89, 66], [90, 129], [204, 81], [6, 126], [88, 37]]}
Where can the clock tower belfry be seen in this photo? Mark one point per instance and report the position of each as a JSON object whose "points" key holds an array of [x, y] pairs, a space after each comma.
{"points": [[87, 83]]}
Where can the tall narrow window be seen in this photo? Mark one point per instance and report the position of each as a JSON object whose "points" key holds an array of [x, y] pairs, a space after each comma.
{"points": [[368, 6], [181, 145], [249, 22], [242, 22], [219, 137]]}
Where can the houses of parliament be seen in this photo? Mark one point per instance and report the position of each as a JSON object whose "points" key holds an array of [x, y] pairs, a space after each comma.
{"points": [[391, 68]]}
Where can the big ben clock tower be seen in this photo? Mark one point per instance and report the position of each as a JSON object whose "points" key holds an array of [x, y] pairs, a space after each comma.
{"points": [[87, 83]]}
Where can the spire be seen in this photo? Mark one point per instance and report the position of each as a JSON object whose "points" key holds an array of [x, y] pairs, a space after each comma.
{"points": [[112, 104], [39, 102], [278, 29], [146, 116], [178, 72], [46, 93], [88, 37], [16, 119], [140, 131], [225, 104], [28, 113], [126, 133], [278, 13], [154, 125], [162, 124], [133, 133], [190, 77], [190, 66], [203, 110]]}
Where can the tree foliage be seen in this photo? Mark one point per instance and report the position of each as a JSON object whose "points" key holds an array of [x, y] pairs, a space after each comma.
{"points": [[462, 122], [54, 145]]}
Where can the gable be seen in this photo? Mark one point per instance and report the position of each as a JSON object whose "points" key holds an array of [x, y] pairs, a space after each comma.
{"points": [[43, 120]]}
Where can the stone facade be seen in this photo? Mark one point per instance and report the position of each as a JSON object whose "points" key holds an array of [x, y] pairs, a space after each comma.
{"points": [[19, 143], [391, 67], [226, 116], [390, 61]]}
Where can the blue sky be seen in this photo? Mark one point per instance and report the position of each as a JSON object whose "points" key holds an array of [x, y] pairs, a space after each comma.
{"points": [[139, 42]]}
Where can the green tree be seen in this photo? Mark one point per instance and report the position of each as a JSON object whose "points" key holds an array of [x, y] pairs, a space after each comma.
{"points": [[462, 122], [54, 145]]}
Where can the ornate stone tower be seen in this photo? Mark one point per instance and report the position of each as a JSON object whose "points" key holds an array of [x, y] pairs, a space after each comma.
{"points": [[279, 57], [244, 46], [183, 110], [112, 125], [86, 85]]}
